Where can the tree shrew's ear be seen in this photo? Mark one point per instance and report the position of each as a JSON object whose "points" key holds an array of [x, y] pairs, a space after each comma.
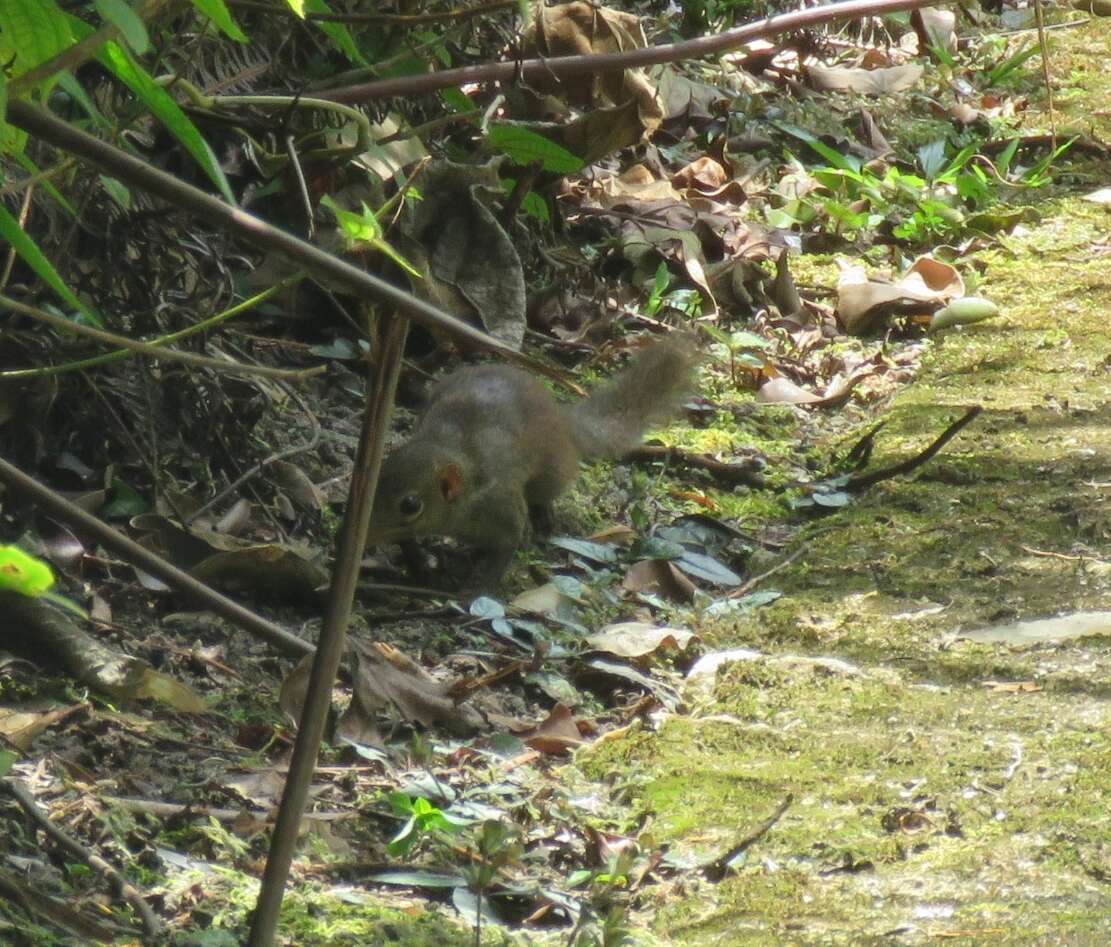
{"points": [[451, 482]]}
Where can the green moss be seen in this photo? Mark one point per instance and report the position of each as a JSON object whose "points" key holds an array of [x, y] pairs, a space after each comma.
{"points": [[939, 785]]}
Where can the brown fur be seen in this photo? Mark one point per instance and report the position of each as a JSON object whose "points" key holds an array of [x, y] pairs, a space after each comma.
{"points": [[494, 445]]}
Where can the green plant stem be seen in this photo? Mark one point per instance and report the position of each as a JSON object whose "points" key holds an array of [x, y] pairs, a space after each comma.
{"points": [[199, 99], [152, 350], [119, 354], [38, 178]]}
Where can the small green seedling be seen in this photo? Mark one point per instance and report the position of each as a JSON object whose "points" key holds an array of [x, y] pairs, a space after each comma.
{"points": [[22, 573]]}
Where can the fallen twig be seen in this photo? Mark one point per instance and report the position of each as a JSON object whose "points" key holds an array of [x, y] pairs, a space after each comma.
{"points": [[863, 481], [749, 584], [719, 867], [127, 549], [730, 474], [564, 66], [152, 927]]}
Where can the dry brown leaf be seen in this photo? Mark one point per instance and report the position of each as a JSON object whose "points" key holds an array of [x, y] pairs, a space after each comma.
{"points": [[865, 81], [20, 726], [617, 535], [557, 734], [276, 570], [582, 28], [291, 696], [862, 301], [636, 183], [635, 639], [707, 176], [294, 481], [542, 600], [658, 576], [1012, 687], [385, 677], [781, 390], [263, 787], [935, 27]]}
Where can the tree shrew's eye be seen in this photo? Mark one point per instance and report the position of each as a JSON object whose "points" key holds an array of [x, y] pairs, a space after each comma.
{"points": [[410, 505]]}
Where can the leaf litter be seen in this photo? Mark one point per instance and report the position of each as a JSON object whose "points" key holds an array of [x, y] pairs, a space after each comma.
{"points": [[467, 721]]}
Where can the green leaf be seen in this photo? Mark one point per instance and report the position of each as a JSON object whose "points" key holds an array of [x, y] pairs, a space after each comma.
{"points": [[1009, 65], [338, 33], [122, 17], [525, 147], [456, 100], [22, 573], [931, 158], [117, 191], [31, 32], [365, 228], [958, 161], [298, 7], [849, 163], [12, 139], [7, 761], [357, 228], [536, 207], [708, 568], [217, 11], [166, 690], [123, 66], [44, 269], [596, 552]]}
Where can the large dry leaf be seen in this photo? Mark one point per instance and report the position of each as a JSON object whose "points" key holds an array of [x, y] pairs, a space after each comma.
{"points": [[709, 177], [581, 28], [935, 27], [274, 570], [439, 236], [659, 577], [557, 733], [20, 725], [781, 390], [385, 677], [864, 81], [861, 301], [263, 787], [602, 131], [545, 599], [635, 183], [635, 639], [386, 160]]}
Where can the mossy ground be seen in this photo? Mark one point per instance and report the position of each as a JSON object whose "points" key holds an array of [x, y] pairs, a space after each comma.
{"points": [[942, 789]]}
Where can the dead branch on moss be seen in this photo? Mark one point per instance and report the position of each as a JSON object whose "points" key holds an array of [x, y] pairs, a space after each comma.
{"points": [[863, 481]]}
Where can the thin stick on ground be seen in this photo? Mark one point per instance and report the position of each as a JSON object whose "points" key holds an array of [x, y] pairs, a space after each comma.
{"points": [[130, 551], [719, 867], [152, 927], [863, 481]]}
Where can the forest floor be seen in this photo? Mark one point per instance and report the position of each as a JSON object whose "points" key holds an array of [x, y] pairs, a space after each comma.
{"points": [[947, 787], [900, 764], [944, 786]]}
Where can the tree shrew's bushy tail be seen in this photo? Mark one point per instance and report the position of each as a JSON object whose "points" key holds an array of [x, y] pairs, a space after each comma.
{"points": [[611, 421]]}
